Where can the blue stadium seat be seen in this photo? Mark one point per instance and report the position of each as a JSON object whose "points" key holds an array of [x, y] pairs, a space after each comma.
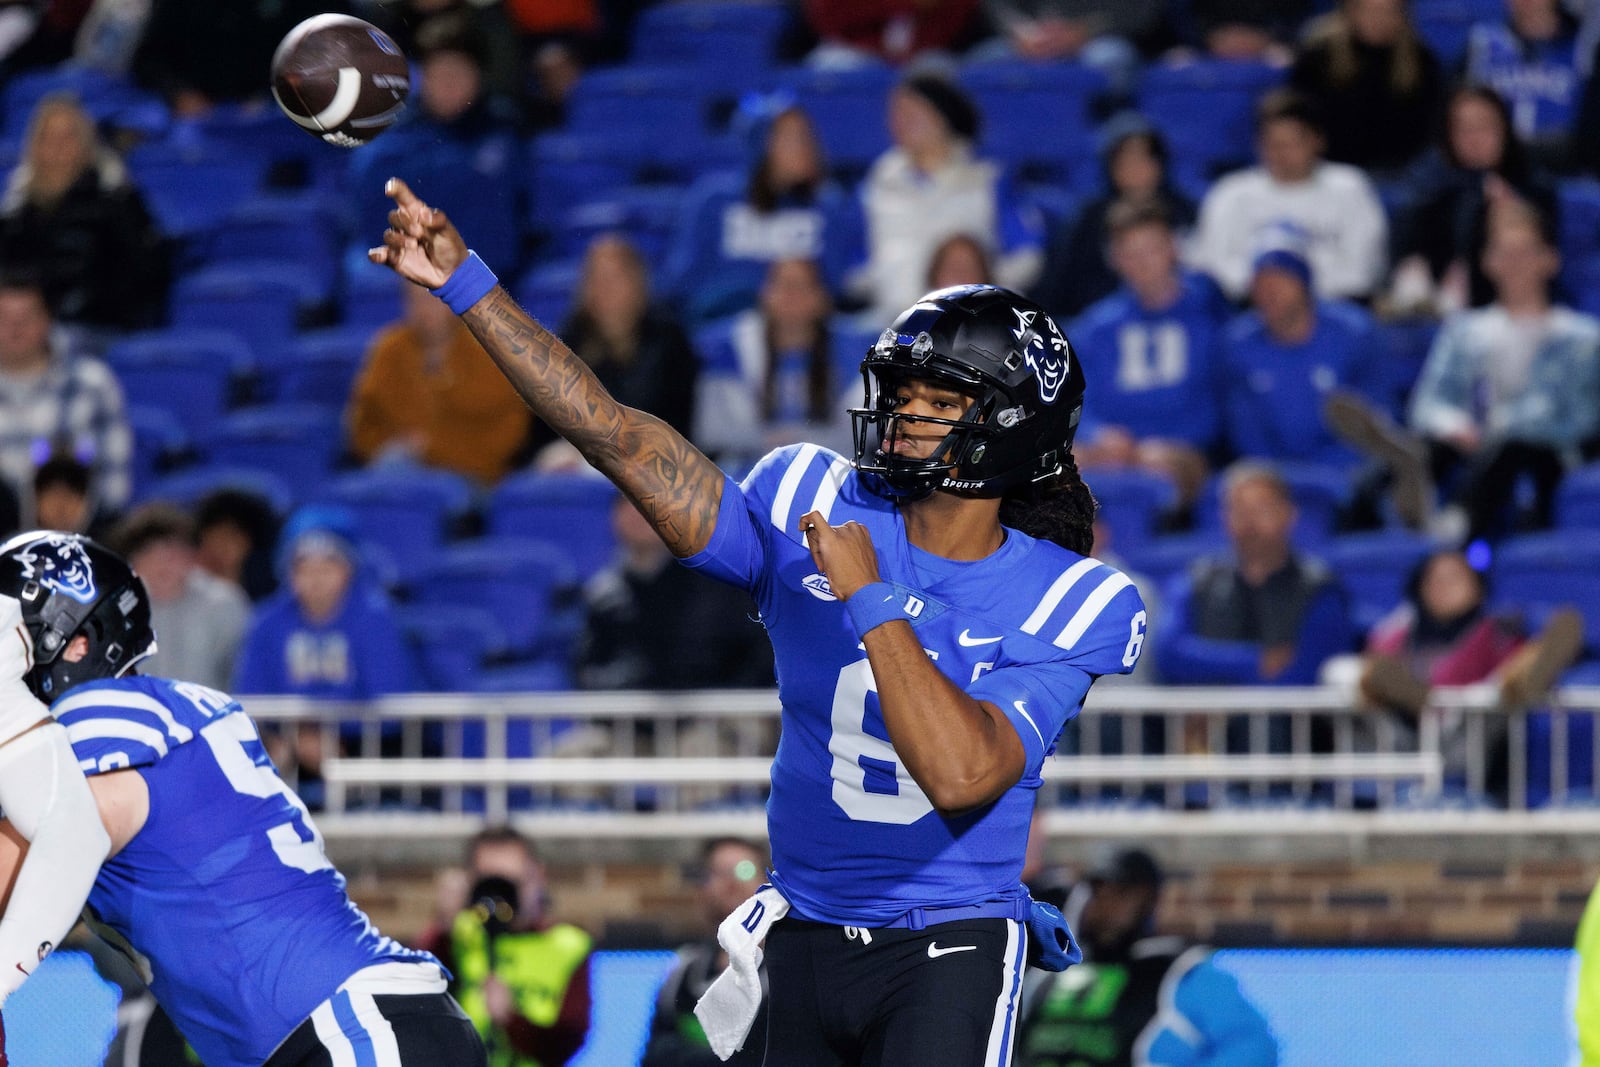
{"points": [[1578, 215], [1543, 571], [1578, 499], [260, 302], [370, 294], [405, 509], [302, 228], [317, 367], [564, 169], [738, 40], [1161, 559], [1581, 281], [453, 644], [1373, 568], [1444, 24], [660, 113], [546, 292], [848, 109], [1403, 346], [1018, 101], [1206, 109], [159, 441], [570, 511], [529, 586], [189, 373], [646, 215], [101, 95], [539, 676], [1320, 492], [188, 486], [191, 188], [296, 441], [1132, 503]]}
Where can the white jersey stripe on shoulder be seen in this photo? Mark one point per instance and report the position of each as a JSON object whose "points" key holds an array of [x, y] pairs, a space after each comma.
{"points": [[1091, 608], [331, 1034], [385, 1049], [789, 485], [1058, 589], [828, 491], [110, 698], [1002, 1031], [128, 731]]}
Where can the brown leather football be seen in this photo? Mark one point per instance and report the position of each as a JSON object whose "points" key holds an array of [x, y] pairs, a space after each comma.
{"points": [[340, 79]]}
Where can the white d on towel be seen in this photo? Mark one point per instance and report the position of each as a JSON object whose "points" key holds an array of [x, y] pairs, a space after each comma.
{"points": [[728, 1007]]}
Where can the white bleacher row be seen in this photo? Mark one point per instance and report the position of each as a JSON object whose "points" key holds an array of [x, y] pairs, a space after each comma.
{"points": [[587, 767]]}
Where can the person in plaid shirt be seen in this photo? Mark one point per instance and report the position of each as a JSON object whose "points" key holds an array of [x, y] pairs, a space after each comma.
{"points": [[55, 401]]}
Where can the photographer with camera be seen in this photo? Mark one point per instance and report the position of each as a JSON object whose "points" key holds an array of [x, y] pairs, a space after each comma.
{"points": [[523, 979]]}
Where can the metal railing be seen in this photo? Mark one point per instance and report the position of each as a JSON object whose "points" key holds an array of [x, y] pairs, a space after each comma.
{"points": [[649, 764]]}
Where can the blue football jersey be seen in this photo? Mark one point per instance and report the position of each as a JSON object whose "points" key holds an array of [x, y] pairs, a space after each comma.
{"points": [[225, 894], [854, 838]]}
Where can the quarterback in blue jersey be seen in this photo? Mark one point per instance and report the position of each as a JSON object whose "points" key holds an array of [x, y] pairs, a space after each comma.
{"points": [[936, 622], [216, 884]]}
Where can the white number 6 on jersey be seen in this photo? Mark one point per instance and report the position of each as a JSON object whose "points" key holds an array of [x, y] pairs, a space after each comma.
{"points": [[850, 741]]}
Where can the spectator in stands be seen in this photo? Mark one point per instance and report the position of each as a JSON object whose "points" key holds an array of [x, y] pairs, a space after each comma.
{"points": [[770, 376], [71, 216], [1443, 633], [1374, 80], [930, 186], [1509, 391], [636, 348], [960, 260], [428, 393], [407, 22], [1282, 358], [198, 53], [1245, 30], [1107, 35], [1136, 997], [1532, 59], [1266, 613], [1333, 204], [652, 625], [522, 977], [63, 498], [236, 532], [857, 32], [55, 400], [786, 208], [330, 635], [1076, 270], [1441, 234], [1150, 348], [199, 618], [731, 870], [465, 136]]}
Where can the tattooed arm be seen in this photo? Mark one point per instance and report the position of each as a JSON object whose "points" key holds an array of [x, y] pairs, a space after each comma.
{"points": [[669, 480]]}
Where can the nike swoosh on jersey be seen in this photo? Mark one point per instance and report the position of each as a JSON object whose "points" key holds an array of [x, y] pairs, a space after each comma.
{"points": [[966, 639], [934, 951]]}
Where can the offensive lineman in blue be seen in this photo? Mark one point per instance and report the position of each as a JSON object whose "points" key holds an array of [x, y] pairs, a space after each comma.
{"points": [[216, 884], [936, 623]]}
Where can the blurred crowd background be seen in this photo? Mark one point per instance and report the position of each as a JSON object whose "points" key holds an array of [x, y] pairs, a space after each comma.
{"points": [[1329, 268]]}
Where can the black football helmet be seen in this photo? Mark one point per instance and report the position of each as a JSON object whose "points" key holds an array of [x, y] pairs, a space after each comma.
{"points": [[1003, 350], [69, 585]]}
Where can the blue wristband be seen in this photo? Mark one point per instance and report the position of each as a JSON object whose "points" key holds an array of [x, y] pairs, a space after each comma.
{"points": [[873, 605], [468, 283]]}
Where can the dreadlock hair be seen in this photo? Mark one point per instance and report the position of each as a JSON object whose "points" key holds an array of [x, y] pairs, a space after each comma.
{"points": [[1059, 509]]}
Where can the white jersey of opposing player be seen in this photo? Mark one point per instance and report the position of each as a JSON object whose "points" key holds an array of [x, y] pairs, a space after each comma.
{"points": [[19, 708]]}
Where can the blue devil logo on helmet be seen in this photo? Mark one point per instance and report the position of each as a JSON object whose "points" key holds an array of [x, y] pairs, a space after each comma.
{"points": [[1046, 357], [61, 564]]}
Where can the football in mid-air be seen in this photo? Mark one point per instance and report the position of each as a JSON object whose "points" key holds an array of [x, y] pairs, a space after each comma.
{"points": [[340, 79]]}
